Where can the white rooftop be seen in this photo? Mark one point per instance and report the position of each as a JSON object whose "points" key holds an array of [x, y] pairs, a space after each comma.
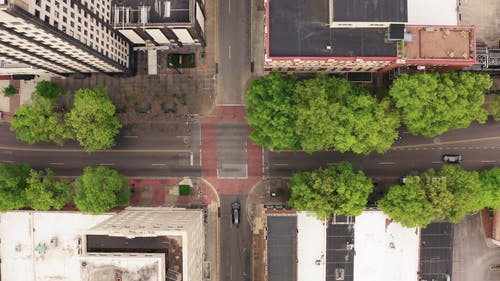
{"points": [[385, 251], [432, 12], [311, 245], [43, 246]]}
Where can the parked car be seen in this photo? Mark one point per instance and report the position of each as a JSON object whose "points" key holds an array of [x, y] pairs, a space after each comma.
{"points": [[403, 180], [452, 158], [235, 212]]}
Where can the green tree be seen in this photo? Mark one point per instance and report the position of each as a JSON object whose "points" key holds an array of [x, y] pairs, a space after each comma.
{"points": [[408, 204], [434, 103], [44, 192], [335, 114], [93, 119], [48, 90], [271, 112], [336, 189], [101, 189], [494, 107], [13, 183], [9, 91], [490, 188], [37, 121], [451, 193]]}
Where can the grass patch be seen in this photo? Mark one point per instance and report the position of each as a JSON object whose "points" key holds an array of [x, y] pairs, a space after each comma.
{"points": [[180, 60], [184, 189]]}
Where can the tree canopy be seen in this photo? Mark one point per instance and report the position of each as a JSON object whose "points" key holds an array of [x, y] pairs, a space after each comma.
{"points": [[335, 114], [48, 90], [336, 189], [450, 193], [44, 192], [494, 107], [93, 119], [271, 112], [38, 122], [9, 91], [490, 188], [433, 103], [13, 183], [101, 189]]}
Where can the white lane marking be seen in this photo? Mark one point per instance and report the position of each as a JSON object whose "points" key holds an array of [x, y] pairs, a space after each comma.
{"points": [[159, 164], [230, 273], [229, 12], [191, 159], [7, 161], [182, 136], [57, 163], [436, 162], [107, 164], [229, 52], [488, 161], [131, 137], [332, 163], [386, 163], [280, 164]]}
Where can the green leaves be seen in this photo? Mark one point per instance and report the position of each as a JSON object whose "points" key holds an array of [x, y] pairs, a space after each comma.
{"points": [[319, 114], [48, 90], [38, 122], [336, 189], [494, 107], [12, 186], [270, 112], [93, 119], [434, 103], [490, 188], [101, 189], [448, 194], [44, 192]]}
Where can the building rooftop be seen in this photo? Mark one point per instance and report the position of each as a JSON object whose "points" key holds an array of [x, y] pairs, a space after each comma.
{"points": [[436, 251], [434, 42], [385, 250], [432, 12], [281, 247], [339, 254], [150, 12], [148, 267], [369, 11], [43, 246], [301, 29], [311, 245]]}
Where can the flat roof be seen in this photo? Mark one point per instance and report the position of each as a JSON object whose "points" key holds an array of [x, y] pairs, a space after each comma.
{"points": [[369, 11], [311, 246], [301, 29], [385, 250], [439, 42], [432, 12], [161, 11], [281, 247], [436, 251], [339, 259], [43, 246], [138, 267]]}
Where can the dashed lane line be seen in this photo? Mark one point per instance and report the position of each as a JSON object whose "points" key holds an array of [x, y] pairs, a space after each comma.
{"points": [[69, 150], [445, 143]]}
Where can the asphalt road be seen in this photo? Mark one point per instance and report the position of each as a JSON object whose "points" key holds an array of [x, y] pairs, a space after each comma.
{"points": [[236, 242], [479, 145], [233, 50]]}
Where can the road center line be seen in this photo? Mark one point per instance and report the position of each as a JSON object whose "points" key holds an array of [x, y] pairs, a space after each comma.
{"points": [[445, 143], [280, 164], [386, 163], [69, 150], [57, 163], [159, 164], [107, 164], [436, 162], [488, 161], [229, 52], [229, 12], [7, 161]]}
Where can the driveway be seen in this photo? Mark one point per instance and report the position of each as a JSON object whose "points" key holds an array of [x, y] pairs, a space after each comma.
{"points": [[471, 257]]}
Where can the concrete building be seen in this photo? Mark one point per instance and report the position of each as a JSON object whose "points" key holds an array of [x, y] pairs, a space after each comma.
{"points": [[60, 37], [137, 244], [365, 36], [160, 22]]}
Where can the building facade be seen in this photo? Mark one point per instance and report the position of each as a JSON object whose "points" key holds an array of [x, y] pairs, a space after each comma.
{"points": [[61, 37]]}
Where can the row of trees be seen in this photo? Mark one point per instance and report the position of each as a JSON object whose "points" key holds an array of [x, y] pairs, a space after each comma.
{"points": [[449, 193], [97, 190], [91, 121], [330, 113]]}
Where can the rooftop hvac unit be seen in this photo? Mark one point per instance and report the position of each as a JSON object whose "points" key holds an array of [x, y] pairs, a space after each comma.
{"points": [[349, 246], [396, 32], [167, 10], [339, 274]]}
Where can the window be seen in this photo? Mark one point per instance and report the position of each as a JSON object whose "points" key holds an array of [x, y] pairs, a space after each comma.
{"points": [[37, 13], [37, 2], [47, 8]]}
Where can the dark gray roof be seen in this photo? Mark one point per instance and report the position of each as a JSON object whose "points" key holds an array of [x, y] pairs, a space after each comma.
{"points": [[370, 10], [282, 248], [436, 251], [300, 29], [179, 10], [337, 255]]}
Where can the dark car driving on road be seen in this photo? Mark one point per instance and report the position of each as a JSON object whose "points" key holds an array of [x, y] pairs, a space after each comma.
{"points": [[452, 158], [235, 212]]}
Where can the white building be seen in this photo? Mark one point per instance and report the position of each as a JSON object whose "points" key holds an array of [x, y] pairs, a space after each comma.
{"points": [[60, 37]]}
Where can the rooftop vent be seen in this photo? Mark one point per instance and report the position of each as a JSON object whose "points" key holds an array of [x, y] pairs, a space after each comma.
{"points": [[396, 32]]}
